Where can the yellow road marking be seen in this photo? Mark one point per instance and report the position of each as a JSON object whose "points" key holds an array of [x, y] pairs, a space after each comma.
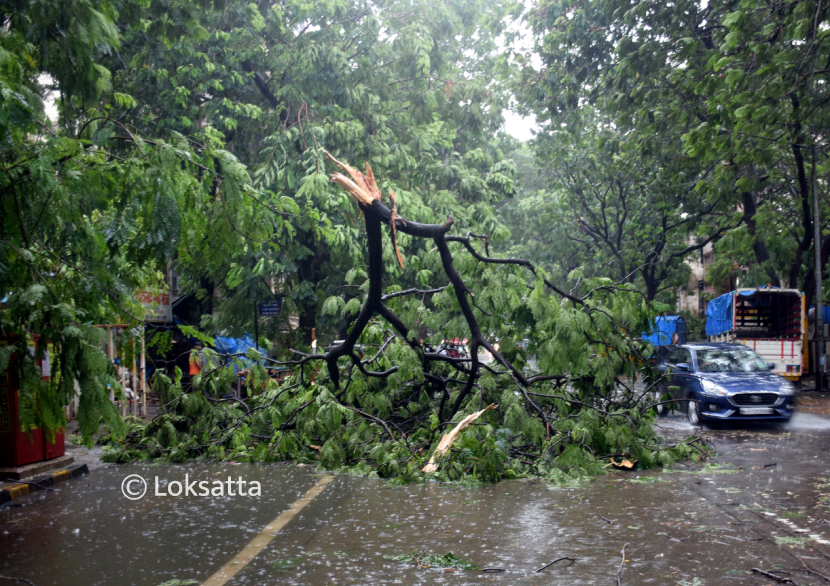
{"points": [[258, 543]]}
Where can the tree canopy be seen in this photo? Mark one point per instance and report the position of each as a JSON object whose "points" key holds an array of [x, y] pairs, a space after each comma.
{"points": [[139, 135], [732, 92]]}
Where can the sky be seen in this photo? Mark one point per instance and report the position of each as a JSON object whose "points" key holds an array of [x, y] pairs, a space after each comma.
{"points": [[519, 127]]}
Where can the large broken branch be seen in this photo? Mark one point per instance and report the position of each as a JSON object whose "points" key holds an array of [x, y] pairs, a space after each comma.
{"points": [[449, 439]]}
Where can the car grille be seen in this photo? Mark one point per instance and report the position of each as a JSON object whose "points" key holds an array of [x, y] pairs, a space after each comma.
{"points": [[754, 399]]}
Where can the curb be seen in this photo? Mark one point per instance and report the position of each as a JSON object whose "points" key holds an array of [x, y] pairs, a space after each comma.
{"points": [[15, 491]]}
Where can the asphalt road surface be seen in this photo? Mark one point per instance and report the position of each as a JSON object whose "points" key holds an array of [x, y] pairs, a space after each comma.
{"points": [[763, 503]]}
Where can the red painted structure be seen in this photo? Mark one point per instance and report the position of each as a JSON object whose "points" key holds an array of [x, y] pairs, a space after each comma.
{"points": [[18, 447]]}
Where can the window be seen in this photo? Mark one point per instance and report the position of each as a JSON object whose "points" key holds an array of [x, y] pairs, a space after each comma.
{"points": [[673, 356], [679, 355], [729, 360]]}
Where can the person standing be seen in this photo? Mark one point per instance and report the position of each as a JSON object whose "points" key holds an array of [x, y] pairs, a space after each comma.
{"points": [[197, 360]]}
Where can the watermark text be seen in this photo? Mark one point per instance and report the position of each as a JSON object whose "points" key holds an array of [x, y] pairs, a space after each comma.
{"points": [[135, 487]]}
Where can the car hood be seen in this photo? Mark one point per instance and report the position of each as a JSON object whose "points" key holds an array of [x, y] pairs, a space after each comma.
{"points": [[737, 382]]}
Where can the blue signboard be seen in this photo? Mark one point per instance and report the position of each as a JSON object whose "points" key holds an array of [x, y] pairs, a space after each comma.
{"points": [[270, 308]]}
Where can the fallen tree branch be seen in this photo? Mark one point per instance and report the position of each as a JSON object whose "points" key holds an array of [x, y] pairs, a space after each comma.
{"points": [[773, 577], [546, 566], [11, 579], [622, 563]]}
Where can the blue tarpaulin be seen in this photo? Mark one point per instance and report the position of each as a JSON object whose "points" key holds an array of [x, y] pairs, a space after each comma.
{"points": [[825, 313], [719, 315], [664, 329], [235, 346]]}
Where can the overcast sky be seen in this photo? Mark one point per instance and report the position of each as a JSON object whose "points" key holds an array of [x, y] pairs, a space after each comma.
{"points": [[518, 126]]}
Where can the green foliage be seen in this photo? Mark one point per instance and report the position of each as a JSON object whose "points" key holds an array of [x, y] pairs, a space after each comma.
{"points": [[417, 96], [93, 207], [194, 133], [721, 101], [399, 420], [433, 560]]}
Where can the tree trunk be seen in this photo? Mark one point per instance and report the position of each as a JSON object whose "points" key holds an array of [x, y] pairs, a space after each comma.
{"points": [[806, 217], [758, 244], [308, 271]]}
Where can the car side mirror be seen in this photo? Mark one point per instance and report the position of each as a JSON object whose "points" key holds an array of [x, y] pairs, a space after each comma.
{"points": [[683, 367], [771, 365]]}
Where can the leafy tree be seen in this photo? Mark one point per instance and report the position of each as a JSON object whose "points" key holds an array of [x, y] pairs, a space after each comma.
{"points": [[410, 87], [164, 106], [607, 212], [737, 85], [92, 208], [377, 402]]}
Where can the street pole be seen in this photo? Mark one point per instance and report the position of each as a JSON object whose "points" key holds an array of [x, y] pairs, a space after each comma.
{"points": [[819, 309], [256, 325]]}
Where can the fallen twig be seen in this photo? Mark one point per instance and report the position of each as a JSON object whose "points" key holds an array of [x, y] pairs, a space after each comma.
{"points": [[36, 484], [622, 563], [606, 520], [29, 582], [767, 465], [773, 577], [678, 540], [811, 570], [743, 540], [492, 569], [572, 560]]}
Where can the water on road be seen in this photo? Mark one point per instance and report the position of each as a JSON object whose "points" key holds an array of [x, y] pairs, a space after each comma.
{"points": [[762, 503]]}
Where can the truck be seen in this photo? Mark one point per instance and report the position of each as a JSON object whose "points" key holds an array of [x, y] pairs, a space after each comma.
{"points": [[769, 320]]}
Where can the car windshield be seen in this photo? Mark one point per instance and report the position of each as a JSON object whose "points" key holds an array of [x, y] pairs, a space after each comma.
{"points": [[729, 360]]}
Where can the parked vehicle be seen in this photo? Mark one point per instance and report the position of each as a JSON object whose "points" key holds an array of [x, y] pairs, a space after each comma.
{"points": [[712, 381], [455, 348], [768, 320]]}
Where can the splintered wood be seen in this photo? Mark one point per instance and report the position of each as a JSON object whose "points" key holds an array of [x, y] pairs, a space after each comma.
{"points": [[450, 438], [361, 187], [364, 189], [392, 223]]}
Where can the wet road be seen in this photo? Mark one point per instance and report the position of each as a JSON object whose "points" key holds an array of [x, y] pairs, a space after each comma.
{"points": [[696, 525]]}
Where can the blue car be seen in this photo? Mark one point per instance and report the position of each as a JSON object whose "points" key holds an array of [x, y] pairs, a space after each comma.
{"points": [[723, 382]]}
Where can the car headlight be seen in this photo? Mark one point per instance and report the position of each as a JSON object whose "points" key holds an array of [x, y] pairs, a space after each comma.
{"points": [[786, 388], [712, 389]]}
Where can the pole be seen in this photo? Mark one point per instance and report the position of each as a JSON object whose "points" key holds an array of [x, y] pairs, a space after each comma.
{"points": [[143, 375], [111, 356], [134, 381], [256, 325], [819, 309]]}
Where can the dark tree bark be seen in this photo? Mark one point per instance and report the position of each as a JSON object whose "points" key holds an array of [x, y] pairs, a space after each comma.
{"points": [[806, 241], [759, 246]]}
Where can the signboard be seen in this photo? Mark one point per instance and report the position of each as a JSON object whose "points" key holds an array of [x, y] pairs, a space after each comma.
{"points": [[270, 308], [156, 306]]}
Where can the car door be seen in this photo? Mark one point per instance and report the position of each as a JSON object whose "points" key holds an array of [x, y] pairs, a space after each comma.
{"points": [[676, 382], [682, 378]]}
